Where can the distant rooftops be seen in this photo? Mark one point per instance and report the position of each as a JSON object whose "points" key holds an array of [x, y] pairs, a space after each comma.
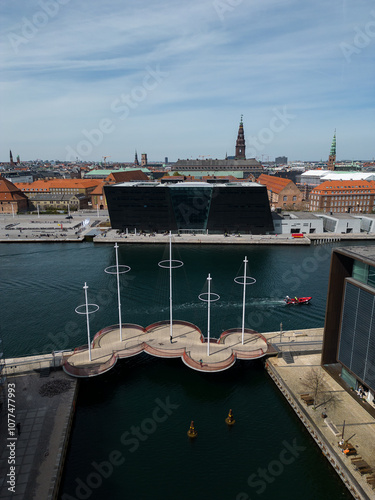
{"points": [[188, 184]]}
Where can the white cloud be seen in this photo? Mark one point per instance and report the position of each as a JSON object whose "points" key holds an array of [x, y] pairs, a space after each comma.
{"points": [[255, 56]]}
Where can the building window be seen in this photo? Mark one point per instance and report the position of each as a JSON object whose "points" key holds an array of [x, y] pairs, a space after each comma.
{"points": [[294, 198], [284, 199], [360, 271]]}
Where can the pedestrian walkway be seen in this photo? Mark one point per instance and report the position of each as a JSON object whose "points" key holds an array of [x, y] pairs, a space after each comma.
{"points": [[33, 457], [337, 416], [187, 342]]}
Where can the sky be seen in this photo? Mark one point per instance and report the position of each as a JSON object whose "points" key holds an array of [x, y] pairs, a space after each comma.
{"points": [[92, 78]]}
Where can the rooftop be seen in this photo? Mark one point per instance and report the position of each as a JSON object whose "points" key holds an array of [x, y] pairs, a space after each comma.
{"points": [[359, 253], [193, 184]]}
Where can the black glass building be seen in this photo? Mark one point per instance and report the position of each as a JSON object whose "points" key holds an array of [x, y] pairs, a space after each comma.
{"points": [[349, 332], [189, 206]]}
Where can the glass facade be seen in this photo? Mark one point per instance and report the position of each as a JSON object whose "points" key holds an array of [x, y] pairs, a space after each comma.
{"points": [[364, 273], [191, 206], [357, 336], [230, 208]]}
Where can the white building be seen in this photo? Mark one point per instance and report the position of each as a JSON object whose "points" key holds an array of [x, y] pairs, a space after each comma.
{"points": [[341, 224], [367, 224], [297, 222]]}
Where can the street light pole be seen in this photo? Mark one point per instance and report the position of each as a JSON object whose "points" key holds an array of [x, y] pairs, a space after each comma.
{"points": [[244, 301], [208, 313], [118, 292], [87, 320], [170, 288]]}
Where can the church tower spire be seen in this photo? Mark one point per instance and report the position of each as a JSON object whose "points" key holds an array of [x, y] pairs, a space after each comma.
{"points": [[240, 143], [332, 154], [11, 157], [136, 162]]}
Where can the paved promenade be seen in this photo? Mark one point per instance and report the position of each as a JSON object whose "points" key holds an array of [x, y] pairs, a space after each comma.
{"points": [[49, 228], [359, 424], [58, 228], [111, 236], [44, 409]]}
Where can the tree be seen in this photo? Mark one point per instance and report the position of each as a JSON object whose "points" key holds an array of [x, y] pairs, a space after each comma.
{"points": [[315, 382]]}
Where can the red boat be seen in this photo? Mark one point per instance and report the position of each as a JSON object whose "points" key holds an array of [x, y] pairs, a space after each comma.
{"points": [[297, 300]]}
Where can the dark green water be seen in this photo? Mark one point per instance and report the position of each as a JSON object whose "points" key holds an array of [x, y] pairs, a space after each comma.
{"points": [[129, 436]]}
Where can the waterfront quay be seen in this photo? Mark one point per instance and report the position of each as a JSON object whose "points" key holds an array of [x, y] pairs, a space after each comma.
{"points": [[113, 236], [31, 461], [50, 228], [95, 226], [327, 423]]}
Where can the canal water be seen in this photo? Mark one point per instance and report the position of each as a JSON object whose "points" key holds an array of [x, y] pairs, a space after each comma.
{"points": [[129, 436]]}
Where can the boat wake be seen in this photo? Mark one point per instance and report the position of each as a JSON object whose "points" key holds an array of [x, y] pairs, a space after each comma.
{"points": [[251, 303]]}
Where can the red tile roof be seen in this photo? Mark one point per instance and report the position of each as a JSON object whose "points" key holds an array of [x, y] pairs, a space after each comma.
{"points": [[276, 184], [9, 191], [344, 186], [46, 185]]}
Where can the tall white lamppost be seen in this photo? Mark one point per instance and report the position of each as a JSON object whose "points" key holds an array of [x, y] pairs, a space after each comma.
{"points": [[37, 207], [208, 297], [244, 280], [170, 264], [118, 270], [86, 311], [12, 209]]}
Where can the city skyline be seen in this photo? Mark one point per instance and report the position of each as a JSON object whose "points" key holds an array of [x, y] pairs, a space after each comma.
{"points": [[94, 80]]}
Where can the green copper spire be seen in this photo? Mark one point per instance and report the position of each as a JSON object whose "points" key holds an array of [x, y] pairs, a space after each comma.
{"points": [[333, 146]]}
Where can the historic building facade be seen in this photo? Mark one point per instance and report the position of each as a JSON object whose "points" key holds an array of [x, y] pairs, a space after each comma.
{"points": [[343, 197], [282, 193]]}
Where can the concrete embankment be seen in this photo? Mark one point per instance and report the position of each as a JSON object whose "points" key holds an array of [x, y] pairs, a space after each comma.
{"points": [[111, 236], [33, 458], [326, 432], [201, 239]]}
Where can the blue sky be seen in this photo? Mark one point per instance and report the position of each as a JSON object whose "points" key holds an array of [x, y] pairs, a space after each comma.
{"points": [[170, 78]]}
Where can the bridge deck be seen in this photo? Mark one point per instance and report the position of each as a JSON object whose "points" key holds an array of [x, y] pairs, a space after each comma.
{"points": [[187, 342]]}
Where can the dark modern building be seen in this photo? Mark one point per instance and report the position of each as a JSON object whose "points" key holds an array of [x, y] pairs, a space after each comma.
{"points": [[349, 332], [281, 160], [190, 206]]}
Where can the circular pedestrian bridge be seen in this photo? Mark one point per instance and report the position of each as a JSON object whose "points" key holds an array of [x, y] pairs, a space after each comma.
{"points": [[186, 342]]}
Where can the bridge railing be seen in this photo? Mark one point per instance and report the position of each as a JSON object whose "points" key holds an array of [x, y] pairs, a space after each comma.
{"points": [[165, 322], [164, 353], [258, 353], [239, 330], [108, 329], [208, 367], [90, 370]]}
